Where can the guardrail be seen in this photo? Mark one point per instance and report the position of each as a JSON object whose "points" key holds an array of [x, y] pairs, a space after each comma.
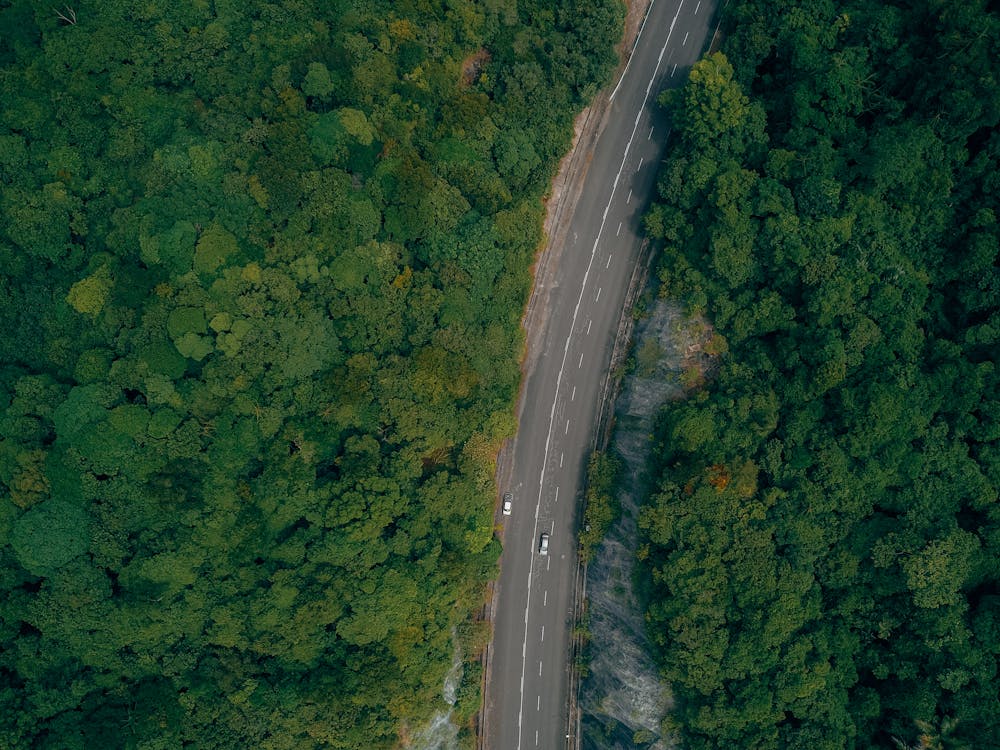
{"points": [[600, 439]]}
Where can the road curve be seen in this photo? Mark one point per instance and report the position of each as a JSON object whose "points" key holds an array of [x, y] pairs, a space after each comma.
{"points": [[527, 690]]}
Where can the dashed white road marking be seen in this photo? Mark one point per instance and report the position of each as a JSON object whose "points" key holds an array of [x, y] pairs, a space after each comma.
{"points": [[538, 705], [548, 563], [650, 134], [629, 198], [598, 297], [543, 634], [572, 396], [608, 264], [640, 158], [697, 7], [561, 455], [576, 312], [581, 361], [545, 597], [536, 738], [685, 38], [567, 427], [589, 324], [539, 668], [673, 70], [557, 493]]}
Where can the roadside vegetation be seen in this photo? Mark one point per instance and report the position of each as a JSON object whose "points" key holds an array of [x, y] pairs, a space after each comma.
{"points": [[601, 508], [262, 271], [822, 552]]}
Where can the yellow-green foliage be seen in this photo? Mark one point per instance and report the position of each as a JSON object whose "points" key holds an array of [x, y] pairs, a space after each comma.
{"points": [[263, 276], [819, 552], [602, 505], [89, 295]]}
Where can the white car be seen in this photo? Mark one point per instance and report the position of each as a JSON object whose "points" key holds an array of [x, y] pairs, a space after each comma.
{"points": [[508, 503], [543, 544]]}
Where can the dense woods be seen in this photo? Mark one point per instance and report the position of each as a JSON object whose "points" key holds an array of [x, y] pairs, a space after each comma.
{"points": [[822, 554], [262, 267]]}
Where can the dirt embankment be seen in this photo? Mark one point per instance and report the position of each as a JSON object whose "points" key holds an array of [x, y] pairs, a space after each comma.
{"points": [[566, 188], [560, 205]]}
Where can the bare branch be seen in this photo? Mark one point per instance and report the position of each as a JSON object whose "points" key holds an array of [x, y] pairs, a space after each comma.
{"points": [[68, 15]]}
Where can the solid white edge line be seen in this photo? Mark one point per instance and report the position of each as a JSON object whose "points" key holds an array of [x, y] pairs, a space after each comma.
{"points": [[634, 47], [562, 366]]}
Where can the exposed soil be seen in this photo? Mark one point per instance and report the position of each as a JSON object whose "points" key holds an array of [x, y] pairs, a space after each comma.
{"points": [[560, 203], [473, 64], [566, 188]]}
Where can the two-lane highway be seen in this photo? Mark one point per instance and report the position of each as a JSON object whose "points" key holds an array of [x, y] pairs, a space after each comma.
{"points": [[527, 693]]}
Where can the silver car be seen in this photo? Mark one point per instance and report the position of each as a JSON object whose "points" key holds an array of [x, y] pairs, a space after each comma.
{"points": [[508, 503], [543, 544]]}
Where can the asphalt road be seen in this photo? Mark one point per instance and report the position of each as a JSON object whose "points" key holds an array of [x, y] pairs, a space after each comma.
{"points": [[526, 696]]}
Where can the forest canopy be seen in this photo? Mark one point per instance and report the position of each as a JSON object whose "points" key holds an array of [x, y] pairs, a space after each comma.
{"points": [[262, 270], [822, 553]]}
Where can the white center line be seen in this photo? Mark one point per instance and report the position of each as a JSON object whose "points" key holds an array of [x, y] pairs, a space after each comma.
{"points": [[608, 264], [536, 738], [589, 324], [685, 39], [650, 134], [561, 456], [619, 229], [557, 493], [598, 297], [576, 312], [673, 70], [539, 668], [572, 396], [697, 7], [640, 158], [538, 704], [543, 634], [629, 199], [548, 563], [567, 427], [581, 361], [545, 597]]}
